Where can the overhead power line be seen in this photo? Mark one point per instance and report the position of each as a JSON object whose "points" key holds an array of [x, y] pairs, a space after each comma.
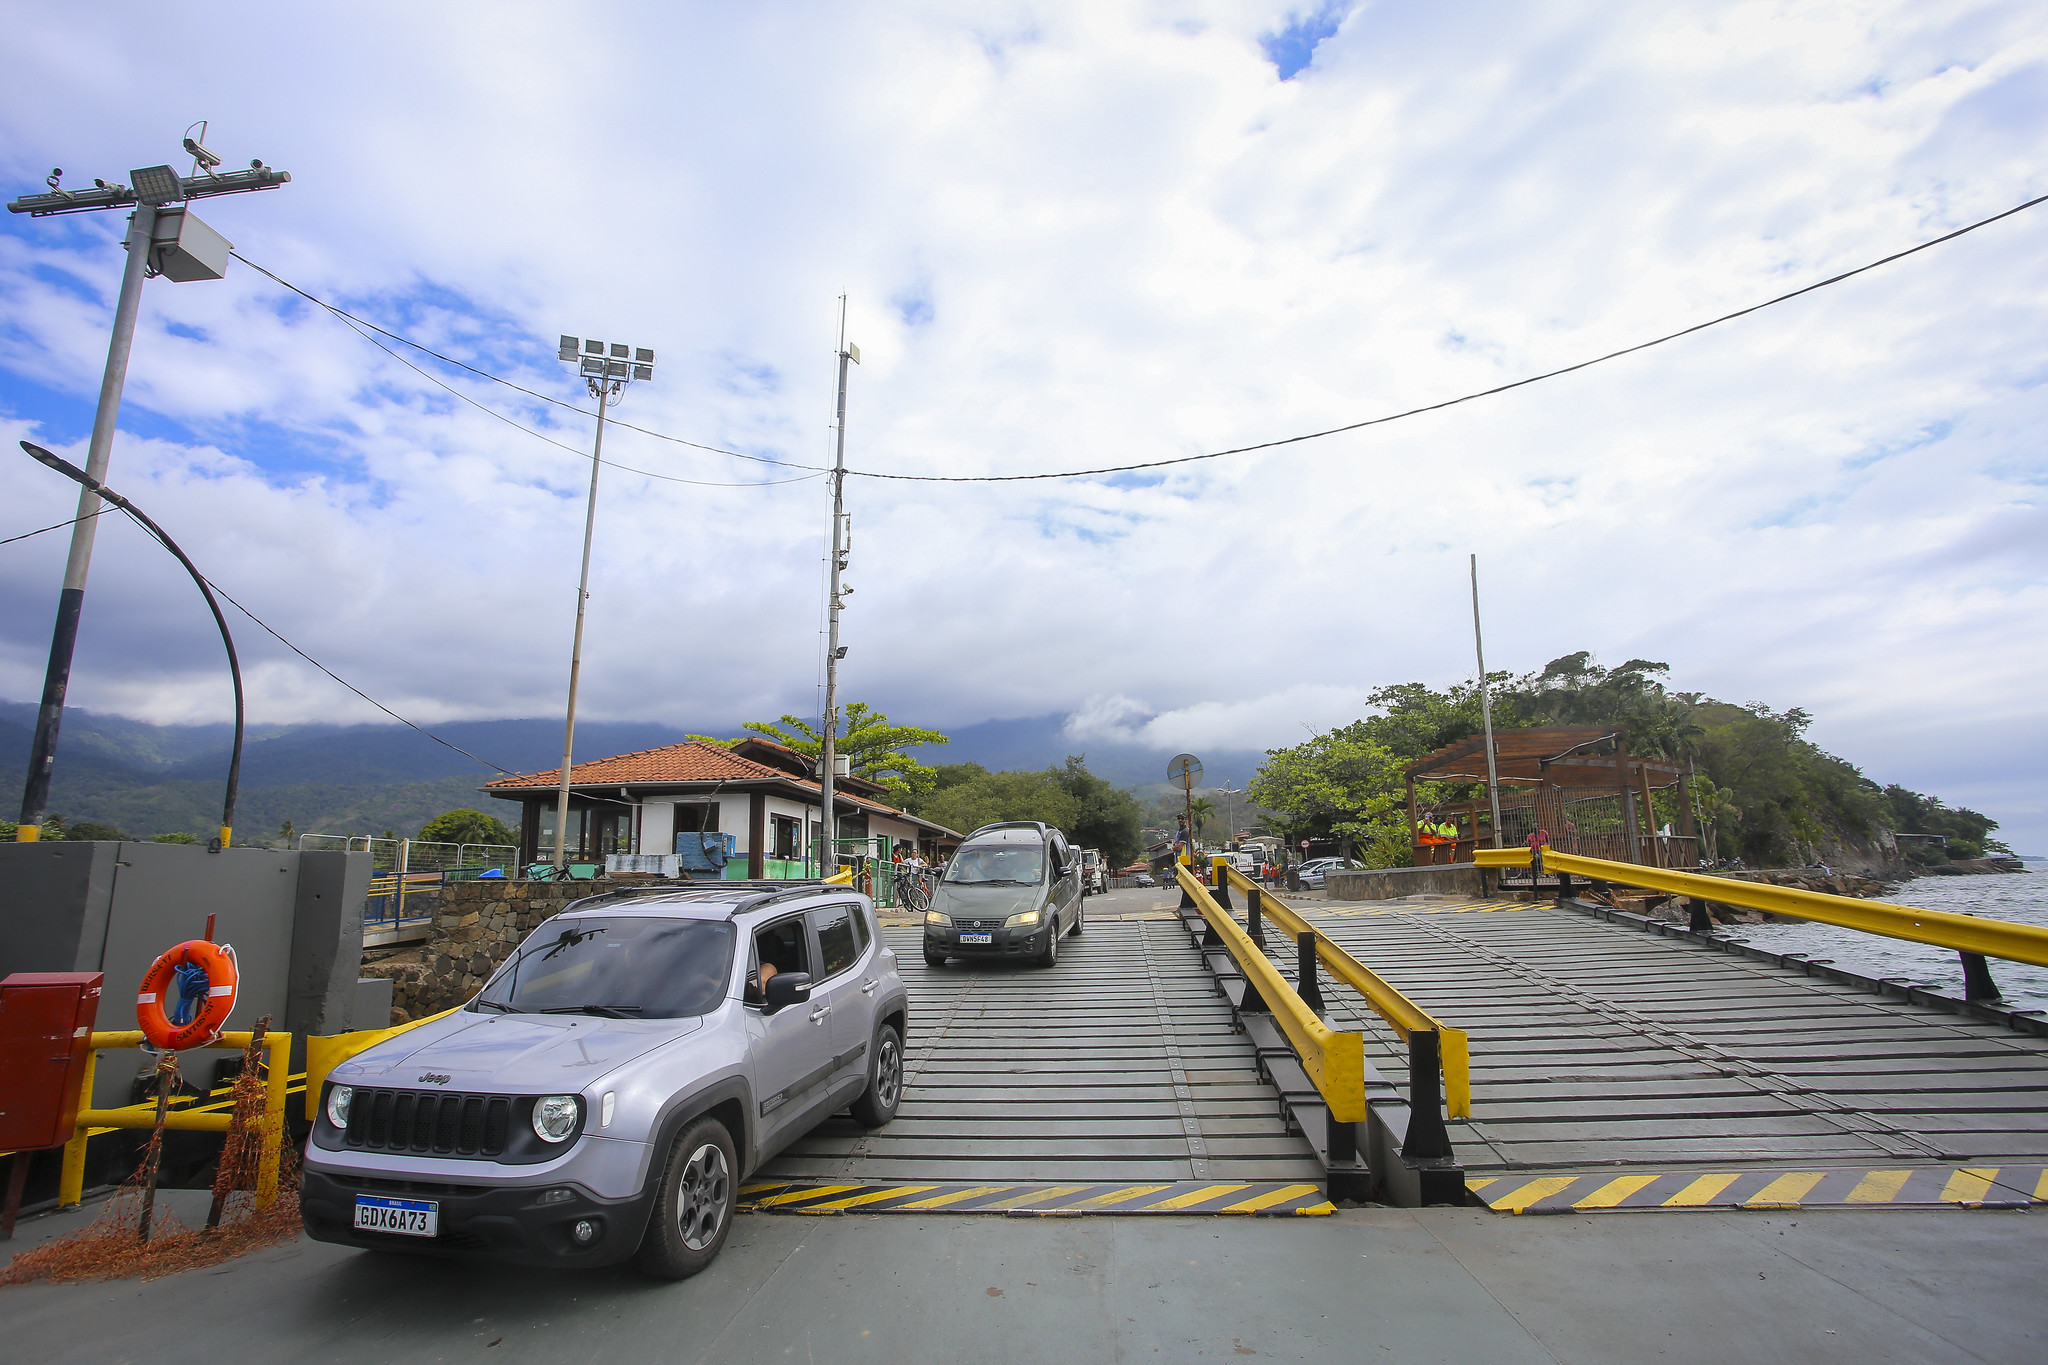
{"points": [[40, 530], [1141, 465]]}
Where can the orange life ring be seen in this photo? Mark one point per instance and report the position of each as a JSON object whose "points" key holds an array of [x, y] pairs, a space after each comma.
{"points": [[217, 962]]}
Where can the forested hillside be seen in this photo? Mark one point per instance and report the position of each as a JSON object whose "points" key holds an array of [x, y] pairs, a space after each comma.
{"points": [[1766, 794]]}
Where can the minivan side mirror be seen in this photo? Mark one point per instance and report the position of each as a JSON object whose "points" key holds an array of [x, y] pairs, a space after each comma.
{"points": [[786, 989]]}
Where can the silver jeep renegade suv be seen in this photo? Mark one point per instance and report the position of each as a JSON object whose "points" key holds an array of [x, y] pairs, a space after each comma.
{"points": [[608, 1089]]}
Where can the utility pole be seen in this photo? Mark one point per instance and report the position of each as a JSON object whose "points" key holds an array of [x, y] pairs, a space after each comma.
{"points": [[162, 240], [1485, 709], [606, 370], [828, 758]]}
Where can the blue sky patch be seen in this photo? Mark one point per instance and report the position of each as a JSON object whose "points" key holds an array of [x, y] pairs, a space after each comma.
{"points": [[1293, 48]]}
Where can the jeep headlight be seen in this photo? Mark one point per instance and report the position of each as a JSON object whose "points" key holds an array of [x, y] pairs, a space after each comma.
{"points": [[337, 1104], [937, 917], [554, 1117], [1023, 921]]}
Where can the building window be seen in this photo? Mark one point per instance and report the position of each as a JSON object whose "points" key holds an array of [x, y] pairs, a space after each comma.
{"points": [[783, 842]]}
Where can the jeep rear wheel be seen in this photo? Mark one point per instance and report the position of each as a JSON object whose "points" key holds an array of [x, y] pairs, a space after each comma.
{"points": [[693, 1211], [877, 1104]]}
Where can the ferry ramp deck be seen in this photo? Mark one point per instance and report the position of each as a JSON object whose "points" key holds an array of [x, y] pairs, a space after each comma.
{"points": [[1611, 1069]]}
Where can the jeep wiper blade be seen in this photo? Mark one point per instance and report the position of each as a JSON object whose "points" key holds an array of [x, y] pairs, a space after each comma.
{"points": [[607, 1011], [500, 1005]]}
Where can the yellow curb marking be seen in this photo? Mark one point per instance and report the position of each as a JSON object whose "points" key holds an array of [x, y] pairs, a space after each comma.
{"points": [[1115, 1197], [872, 1196], [1194, 1197], [1614, 1191], [1535, 1192], [1786, 1191], [940, 1201], [1038, 1196], [1878, 1187], [1969, 1185], [1272, 1197], [811, 1193], [1702, 1191]]}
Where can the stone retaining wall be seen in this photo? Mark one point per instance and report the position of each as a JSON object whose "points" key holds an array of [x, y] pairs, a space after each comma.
{"points": [[476, 926]]}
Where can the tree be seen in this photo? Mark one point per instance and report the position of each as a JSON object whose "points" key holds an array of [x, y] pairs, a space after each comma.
{"points": [[1105, 818], [174, 837], [1199, 810], [92, 830], [1343, 784], [466, 826], [287, 837], [873, 748], [995, 797]]}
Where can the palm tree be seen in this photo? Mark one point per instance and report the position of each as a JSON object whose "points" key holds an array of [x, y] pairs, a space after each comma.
{"points": [[1202, 809]]}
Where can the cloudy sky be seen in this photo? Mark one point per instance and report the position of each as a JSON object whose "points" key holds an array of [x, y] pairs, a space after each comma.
{"points": [[1073, 235]]}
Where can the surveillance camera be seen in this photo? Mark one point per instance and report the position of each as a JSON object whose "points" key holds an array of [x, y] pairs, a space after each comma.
{"points": [[198, 152]]}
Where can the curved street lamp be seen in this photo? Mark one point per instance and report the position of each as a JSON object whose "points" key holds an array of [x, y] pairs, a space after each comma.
{"points": [[92, 485]]}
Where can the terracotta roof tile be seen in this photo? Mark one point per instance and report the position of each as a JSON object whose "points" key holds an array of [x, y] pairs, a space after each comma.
{"points": [[691, 761]]}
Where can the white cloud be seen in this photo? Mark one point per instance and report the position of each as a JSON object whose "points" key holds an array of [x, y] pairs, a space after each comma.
{"points": [[1073, 235]]}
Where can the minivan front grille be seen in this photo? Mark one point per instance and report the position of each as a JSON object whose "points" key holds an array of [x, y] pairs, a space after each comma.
{"points": [[977, 925], [428, 1121]]}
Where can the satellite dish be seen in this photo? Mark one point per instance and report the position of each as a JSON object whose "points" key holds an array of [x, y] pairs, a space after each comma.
{"points": [[1185, 769]]}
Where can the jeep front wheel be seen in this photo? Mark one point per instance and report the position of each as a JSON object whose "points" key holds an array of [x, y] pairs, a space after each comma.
{"points": [[693, 1211]]}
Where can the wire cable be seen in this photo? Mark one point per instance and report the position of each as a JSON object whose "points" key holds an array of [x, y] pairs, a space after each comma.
{"points": [[347, 316], [1470, 397], [58, 527], [357, 326]]}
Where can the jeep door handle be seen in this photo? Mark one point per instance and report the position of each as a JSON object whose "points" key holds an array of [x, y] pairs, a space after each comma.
{"points": [[868, 987], [820, 1012]]}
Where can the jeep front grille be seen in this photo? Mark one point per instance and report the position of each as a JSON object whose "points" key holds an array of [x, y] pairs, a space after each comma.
{"points": [[428, 1121]]}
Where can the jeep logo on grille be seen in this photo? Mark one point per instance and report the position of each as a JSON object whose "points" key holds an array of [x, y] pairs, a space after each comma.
{"points": [[433, 1078]]}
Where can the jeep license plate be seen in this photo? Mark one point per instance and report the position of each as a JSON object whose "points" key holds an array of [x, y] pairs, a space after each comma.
{"points": [[407, 1217], [978, 938]]}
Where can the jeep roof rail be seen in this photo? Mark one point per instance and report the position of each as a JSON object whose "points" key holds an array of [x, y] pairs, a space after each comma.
{"points": [[700, 892]]}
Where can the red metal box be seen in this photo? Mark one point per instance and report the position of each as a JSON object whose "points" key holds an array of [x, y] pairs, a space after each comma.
{"points": [[46, 1023]]}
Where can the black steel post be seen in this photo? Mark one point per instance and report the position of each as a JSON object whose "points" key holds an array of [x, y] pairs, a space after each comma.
{"points": [[1977, 982], [1427, 1137], [1253, 906], [1564, 887], [1343, 1141], [1220, 884], [100, 490], [1307, 984]]}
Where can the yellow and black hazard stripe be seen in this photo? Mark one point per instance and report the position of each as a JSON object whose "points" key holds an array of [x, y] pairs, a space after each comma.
{"points": [[1922, 1187], [1245, 1199]]}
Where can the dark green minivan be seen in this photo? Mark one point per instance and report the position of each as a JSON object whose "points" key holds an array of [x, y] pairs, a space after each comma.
{"points": [[1011, 890]]}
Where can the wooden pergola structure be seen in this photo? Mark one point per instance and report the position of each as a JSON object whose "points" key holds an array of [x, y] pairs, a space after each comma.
{"points": [[1575, 781]]}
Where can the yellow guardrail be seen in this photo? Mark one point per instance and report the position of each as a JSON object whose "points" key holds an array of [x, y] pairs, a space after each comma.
{"points": [[1404, 1015], [323, 1054], [1334, 1061], [1938, 928], [71, 1177]]}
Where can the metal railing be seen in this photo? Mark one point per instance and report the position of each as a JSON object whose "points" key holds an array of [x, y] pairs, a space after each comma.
{"points": [[1433, 1047], [1974, 938]]}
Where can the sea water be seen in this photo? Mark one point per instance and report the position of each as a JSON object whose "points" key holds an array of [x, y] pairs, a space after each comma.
{"points": [[2018, 896]]}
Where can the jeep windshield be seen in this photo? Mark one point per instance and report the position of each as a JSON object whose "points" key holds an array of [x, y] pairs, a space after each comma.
{"points": [[996, 865], [617, 969]]}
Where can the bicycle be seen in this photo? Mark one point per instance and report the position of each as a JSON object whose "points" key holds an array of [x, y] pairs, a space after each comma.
{"points": [[914, 890]]}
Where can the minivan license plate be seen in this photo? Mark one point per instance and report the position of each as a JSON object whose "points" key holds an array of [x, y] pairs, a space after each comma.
{"points": [[978, 938], [408, 1217]]}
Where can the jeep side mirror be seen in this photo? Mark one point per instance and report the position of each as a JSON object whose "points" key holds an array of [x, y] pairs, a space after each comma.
{"points": [[786, 989]]}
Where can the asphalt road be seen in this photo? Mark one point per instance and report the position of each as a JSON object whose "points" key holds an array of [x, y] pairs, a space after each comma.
{"points": [[1449, 1285]]}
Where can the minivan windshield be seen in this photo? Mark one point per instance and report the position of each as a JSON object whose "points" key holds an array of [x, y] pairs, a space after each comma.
{"points": [[997, 864], [617, 968]]}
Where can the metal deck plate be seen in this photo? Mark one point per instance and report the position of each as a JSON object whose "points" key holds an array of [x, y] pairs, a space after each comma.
{"points": [[1116, 1068]]}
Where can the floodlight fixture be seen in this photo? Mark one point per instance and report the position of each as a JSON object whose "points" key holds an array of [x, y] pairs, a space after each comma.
{"points": [[643, 355], [155, 185], [853, 353], [643, 372], [620, 350], [570, 347], [594, 347]]}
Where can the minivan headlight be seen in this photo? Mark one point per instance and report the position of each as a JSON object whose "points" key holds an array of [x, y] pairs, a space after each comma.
{"points": [[337, 1104], [554, 1117], [937, 917], [1023, 921]]}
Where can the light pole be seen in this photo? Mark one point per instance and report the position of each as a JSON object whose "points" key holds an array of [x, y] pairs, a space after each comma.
{"points": [[828, 757], [94, 488], [606, 368], [162, 240]]}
